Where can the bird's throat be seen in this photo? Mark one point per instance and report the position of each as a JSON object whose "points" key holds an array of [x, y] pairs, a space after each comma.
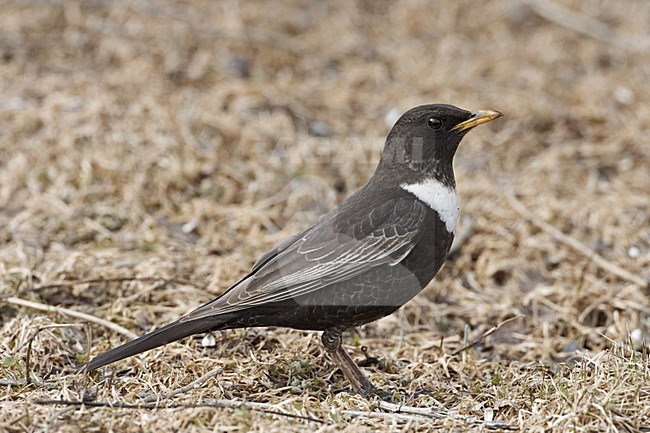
{"points": [[439, 197]]}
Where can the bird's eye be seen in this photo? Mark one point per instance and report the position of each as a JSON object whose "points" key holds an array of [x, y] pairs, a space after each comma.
{"points": [[434, 123]]}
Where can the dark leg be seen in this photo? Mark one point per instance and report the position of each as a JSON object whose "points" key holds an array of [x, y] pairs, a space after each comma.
{"points": [[360, 383]]}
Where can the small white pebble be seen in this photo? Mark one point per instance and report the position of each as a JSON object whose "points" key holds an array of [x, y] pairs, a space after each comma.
{"points": [[633, 252], [391, 117], [190, 226], [636, 334], [209, 340], [624, 95]]}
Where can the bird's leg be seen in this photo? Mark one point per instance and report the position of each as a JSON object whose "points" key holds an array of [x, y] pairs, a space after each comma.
{"points": [[331, 339]]}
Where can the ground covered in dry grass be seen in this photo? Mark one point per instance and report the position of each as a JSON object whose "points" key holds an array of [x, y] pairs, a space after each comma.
{"points": [[151, 151]]}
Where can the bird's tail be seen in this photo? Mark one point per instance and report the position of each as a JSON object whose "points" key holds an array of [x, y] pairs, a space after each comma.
{"points": [[167, 334]]}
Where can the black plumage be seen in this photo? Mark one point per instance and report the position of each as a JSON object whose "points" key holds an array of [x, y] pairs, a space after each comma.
{"points": [[360, 262]]}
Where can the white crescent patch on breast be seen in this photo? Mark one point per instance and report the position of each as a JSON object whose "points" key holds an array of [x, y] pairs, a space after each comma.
{"points": [[440, 198]]}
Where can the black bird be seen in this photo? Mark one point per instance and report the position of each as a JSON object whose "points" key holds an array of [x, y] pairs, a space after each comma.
{"points": [[360, 262]]}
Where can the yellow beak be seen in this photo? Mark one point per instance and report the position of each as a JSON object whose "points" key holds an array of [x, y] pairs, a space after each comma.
{"points": [[480, 117]]}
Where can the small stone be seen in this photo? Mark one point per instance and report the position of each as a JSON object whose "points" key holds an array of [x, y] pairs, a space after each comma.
{"points": [[190, 226], [209, 340], [624, 95], [319, 129], [571, 347], [239, 66], [634, 252]]}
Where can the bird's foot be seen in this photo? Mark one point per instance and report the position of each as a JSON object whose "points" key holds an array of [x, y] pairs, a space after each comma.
{"points": [[360, 383]]}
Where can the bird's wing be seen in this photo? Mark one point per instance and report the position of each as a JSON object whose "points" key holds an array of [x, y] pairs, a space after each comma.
{"points": [[275, 251], [324, 255]]}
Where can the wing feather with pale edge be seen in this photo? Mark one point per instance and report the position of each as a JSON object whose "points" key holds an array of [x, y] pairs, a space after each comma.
{"points": [[323, 256]]}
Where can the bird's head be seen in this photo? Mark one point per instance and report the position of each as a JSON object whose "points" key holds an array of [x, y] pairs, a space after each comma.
{"points": [[425, 138]]}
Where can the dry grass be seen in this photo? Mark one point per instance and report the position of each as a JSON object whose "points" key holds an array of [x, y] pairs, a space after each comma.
{"points": [[179, 141]]}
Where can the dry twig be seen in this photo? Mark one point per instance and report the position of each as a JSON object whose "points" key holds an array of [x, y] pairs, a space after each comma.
{"points": [[584, 24], [484, 335], [412, 413], [37, 383], [105, 281], [268, 408], [31, 339], [395, 411], [71, 313], [598, 260], [189, 387]]}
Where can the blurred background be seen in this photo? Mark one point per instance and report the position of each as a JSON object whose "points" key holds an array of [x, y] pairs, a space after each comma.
{"points": [[180, 140]]}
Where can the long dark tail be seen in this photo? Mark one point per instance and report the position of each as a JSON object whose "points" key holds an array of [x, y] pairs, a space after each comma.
{"points": [[167, 334]]}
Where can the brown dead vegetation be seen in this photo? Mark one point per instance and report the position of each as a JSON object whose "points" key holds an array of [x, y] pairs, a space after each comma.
{"points": [[155, 149]]}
